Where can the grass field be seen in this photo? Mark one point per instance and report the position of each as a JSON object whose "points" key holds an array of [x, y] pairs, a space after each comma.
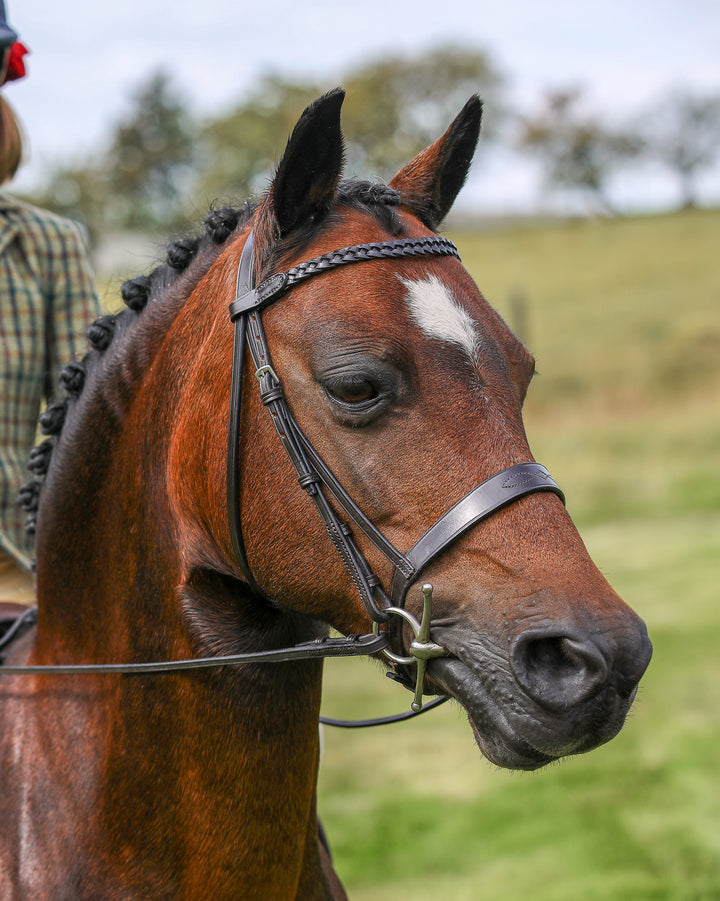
{"points": [[624, 319]]}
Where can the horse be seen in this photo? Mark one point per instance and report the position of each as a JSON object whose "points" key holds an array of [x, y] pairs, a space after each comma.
{"points": [[307, 418]]}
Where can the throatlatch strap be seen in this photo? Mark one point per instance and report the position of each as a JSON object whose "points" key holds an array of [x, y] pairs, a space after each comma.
{"points": [[245, 281]]}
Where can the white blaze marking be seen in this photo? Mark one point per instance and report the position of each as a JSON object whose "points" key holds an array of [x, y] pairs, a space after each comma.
{"points": [[438, 314]]}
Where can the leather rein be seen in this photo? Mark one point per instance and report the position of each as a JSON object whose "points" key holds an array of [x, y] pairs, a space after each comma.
{"points": [[314, 476]]}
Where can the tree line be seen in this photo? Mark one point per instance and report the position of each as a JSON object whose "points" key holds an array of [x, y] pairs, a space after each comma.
{"points": [[161, 165]]}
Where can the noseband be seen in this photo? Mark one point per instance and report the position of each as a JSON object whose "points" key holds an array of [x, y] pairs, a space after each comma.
{"points": [[383, 608]]}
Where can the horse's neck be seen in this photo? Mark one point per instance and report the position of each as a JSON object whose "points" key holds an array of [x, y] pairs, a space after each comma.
{"points": [[219, 768], [191, 785], [212, 770], [222, 776]]}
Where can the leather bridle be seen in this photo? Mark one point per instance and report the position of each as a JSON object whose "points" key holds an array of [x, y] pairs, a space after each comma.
{"points": [[316, 478], [384, 608]]}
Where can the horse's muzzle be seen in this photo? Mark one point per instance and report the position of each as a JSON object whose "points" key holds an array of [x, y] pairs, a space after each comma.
{"points": [[558, 691]]}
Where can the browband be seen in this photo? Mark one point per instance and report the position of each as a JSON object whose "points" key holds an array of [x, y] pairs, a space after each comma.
{"points": [[248, 297]]}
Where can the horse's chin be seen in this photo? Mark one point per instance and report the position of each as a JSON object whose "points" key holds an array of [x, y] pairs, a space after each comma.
{"points": [[512, 736]]}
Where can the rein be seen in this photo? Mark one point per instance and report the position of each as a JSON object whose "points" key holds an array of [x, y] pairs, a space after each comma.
{"points": [[353, 646], [316, 479]]}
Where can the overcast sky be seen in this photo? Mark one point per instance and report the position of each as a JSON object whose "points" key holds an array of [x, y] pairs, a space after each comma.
{"points": [[88, 55]]}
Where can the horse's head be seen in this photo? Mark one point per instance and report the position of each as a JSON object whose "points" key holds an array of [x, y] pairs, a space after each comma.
{"points": [[409, 386]]}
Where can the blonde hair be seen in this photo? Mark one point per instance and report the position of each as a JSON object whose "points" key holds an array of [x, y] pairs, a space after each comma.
{"points": [[11, 142]]}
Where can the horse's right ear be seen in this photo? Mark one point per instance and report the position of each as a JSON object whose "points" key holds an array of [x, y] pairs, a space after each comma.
{"points": [[309, 172], [430, 183]]}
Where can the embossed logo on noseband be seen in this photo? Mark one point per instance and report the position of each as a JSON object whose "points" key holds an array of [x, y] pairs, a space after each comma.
{"points": [[520, 479]]}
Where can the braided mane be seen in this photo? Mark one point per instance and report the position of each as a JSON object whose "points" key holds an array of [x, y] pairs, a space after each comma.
{"points": [[169, 284]]}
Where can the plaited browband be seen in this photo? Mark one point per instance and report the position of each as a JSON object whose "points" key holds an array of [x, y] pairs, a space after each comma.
{"points": [[274, 287], [314, 475]]}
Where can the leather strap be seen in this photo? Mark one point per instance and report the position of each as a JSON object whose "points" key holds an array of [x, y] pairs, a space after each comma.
{"points": [[295, 445], [352, 646], [244, 277], [273, 287], [491, 495]]}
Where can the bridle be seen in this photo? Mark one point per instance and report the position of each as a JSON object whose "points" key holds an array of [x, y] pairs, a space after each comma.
{"points": [[384, 608], [317, 479]]}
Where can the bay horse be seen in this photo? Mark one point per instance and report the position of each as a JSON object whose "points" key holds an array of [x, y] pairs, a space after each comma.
{"points": [[391, 392]]}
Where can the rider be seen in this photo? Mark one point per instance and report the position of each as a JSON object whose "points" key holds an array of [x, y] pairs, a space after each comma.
{"points": [[47, 297]]}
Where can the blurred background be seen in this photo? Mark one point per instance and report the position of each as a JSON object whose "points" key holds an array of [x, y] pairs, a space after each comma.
{"points": [[592, 221], [140, 114]]}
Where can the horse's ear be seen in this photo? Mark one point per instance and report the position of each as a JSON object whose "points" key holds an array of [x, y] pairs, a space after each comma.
{"points": [[308, 173], [431, 182]]}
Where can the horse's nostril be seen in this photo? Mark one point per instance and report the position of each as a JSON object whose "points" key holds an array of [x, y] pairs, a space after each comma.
{"points": [[552, 656], [558, 671]]}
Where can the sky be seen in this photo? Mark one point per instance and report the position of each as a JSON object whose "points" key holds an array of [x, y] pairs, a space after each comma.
{"points": [[87, 56]]}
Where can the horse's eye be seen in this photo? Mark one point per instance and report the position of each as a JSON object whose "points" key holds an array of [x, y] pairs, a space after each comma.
{"points": [[352, 392]]}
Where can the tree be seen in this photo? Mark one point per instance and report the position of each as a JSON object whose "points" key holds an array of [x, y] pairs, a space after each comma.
{"points": [[158, 155], [140, 180], [150, 160], [76, 190], [238, 150], [577, 149], [683, 132], [398, 105], [394, 107]]}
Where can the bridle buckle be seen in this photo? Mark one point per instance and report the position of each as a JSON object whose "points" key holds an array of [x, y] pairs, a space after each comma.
{"points": [[262, 371]]}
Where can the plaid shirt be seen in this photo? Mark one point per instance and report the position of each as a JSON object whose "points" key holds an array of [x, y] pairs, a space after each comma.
{"points": [[47, 299]]}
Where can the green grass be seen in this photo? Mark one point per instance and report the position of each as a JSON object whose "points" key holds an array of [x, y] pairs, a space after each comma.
{"points": [[624, 319]]}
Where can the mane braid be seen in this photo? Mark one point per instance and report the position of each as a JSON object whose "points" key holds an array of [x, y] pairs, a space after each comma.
{"points": [[193, 254], [376, 199]]}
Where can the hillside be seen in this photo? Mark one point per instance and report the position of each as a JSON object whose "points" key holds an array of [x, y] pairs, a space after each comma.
{"points": [[623, 317]]}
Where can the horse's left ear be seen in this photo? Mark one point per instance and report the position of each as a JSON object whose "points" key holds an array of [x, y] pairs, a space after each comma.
{"points": [[430, 183], [308, 173]]}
